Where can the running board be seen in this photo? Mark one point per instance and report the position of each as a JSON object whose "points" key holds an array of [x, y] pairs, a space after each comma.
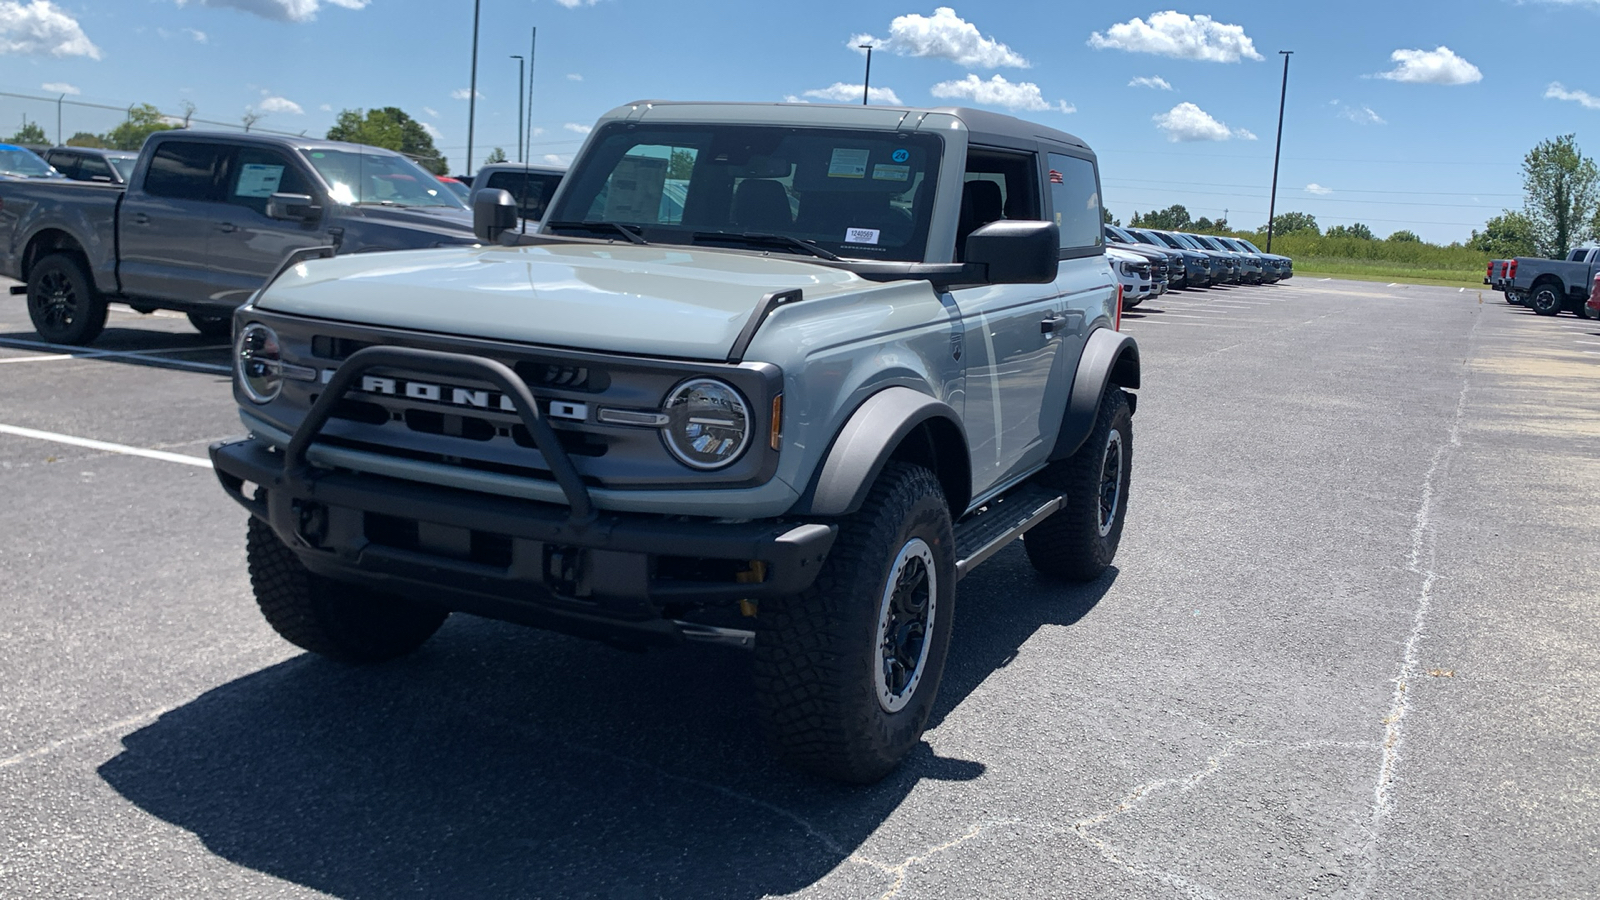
{"points": [[1001, 521]]}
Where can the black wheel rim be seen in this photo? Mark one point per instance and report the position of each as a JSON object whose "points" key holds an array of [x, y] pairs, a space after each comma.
{"points": [[1110, 483], [55, 301], [905, 622]]}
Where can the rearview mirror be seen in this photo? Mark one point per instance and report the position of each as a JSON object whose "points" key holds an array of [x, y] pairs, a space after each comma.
{"points": [[292, 207], [493, 212], [1016, 252]]}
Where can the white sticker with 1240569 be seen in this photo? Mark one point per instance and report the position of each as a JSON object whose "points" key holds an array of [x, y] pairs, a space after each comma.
{"points": [[861, 235]]}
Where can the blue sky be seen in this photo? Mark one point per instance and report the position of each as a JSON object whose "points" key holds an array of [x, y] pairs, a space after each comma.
{"points": [[1434, 146]]}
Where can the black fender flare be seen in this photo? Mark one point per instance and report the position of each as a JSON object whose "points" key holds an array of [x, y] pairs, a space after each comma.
{"points": [[1108, 356], [867, 442]]}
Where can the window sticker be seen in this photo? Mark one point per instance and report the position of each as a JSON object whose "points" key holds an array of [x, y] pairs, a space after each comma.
{"points": [[901, 155], [861, 235], [258, 180], [882, 172], [848, 163]]}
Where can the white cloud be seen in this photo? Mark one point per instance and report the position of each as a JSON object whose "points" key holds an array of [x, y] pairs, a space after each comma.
{"points": [[1439, 66], [1319, 190], [60, 87], [198, 35], [432, 113], [840, 92], [538, 131], [1023, 95], [281, 10], [272, 104], [1187, 122], [326, 107], [1361, 115], [943, 36], [1180, 36], [432, 131], [1156, 82], [557, 159], [40, 27], [574, 76], [1556, 92], [577, 128], [574, 4], [464, 93]]}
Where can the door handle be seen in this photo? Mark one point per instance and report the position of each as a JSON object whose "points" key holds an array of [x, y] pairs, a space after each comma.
{"points": [[1052, 324], [227, 228], [141, 219]]}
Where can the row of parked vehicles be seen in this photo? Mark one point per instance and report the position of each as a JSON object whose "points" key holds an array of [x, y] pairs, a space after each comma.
{"points": [[1549, 286], [1149, 262]]}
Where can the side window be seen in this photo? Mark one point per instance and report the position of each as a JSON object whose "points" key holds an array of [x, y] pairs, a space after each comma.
{"points": [[65, 163], [184, 170], [532, 191], [997, 185], [92, 167], [1075, 197], [257, 174]]}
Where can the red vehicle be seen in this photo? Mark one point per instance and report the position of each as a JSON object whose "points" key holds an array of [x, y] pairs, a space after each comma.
{"points": [[1591, 309], [456, 186]]}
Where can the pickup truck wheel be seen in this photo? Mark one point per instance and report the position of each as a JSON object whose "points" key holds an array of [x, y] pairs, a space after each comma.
{"points": [[847, 671], [62, 302], [212, 326], [340, 621], [1078, 542], [1545, 300]]}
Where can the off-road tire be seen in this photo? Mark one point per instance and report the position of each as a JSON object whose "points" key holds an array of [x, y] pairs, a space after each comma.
{"points": [[1076, 543], [63, 304], [340, 621], [212, 326], [817, 656], [1546, 300]]}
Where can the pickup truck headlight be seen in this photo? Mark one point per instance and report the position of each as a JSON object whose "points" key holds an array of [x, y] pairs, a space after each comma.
{"points": [[1127, 268], [258, 362], [709, 423]]}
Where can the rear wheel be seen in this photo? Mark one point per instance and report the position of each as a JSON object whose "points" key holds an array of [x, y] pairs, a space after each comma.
{"points": [[1078, 542], [62, 303], [1586, 312], [212, 326], [1546, 299]]}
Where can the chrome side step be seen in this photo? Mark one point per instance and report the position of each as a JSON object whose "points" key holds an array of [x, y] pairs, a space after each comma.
{"points": [[711, 634], [984, 533]]}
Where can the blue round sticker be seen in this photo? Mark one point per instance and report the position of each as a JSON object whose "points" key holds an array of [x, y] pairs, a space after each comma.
{"points": [[901, 155]]}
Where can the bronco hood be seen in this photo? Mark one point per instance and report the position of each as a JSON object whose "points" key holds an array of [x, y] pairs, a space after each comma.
{"points": [[657, 300]]}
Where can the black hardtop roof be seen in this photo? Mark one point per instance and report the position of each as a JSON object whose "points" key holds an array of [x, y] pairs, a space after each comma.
{"points": [[978, 121], [293, 142]]}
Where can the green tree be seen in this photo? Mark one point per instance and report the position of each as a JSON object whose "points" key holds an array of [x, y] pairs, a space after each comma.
{"points": [[1173, 218], [1356, 230], [1404, 236], [29, 133], [1561, 195], [143, 120], [497, 155], [1295, 222], [85, 139], [391, 129], [681, 165]]}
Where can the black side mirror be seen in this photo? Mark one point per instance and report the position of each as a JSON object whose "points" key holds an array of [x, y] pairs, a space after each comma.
{"points": [[1016, 252], [493, 212], [292, 207]]}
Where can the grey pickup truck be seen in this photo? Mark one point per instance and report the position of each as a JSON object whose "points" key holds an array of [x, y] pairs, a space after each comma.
{"points": [[782, 398], [1548, 286], [204, 220]]}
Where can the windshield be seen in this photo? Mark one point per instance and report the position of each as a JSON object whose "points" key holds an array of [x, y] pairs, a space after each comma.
{"points": [[1210, 243], [380, 178], [857, 194], [24, 163], [123, 165], [1249, 245]]}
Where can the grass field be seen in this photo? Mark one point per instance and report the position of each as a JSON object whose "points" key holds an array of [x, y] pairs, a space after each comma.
{"points": [[1407, 262]]}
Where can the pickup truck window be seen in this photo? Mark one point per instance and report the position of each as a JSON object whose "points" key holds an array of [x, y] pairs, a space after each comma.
{"points": [[24, 163], [379, 178], [184, 170], [1075, 195], [92, 167], [256, 174], [859, 194], [532, 190], [65, 163]]}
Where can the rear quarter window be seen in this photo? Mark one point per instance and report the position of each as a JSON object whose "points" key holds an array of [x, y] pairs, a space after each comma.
{"points": [[184, 170], [1075, 202]]}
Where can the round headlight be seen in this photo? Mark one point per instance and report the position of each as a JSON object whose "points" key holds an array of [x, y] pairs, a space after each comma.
{"points": [[709, 423], [258, 360]]}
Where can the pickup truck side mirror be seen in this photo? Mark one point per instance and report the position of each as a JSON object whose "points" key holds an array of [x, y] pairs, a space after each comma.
{"points": [[493, 212], [1016, 252], [292, 207]]}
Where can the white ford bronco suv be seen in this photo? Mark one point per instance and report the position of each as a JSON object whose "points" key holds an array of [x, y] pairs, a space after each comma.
{"points": [[772, 375]]}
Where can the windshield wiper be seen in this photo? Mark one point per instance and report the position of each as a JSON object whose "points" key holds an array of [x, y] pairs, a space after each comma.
{"points": [[758, 239], [610, 228]]}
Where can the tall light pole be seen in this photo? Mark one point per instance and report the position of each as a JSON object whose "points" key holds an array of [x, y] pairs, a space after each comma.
{"points": [[866, 83], [472, 89], [527, 142], [1272, 205], [521, 66]]}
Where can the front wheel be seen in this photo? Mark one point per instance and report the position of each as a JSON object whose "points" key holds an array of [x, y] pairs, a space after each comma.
{"points": [[1078, 542], [1545, 300], [847, 671], [62, 302], [212, 326]]}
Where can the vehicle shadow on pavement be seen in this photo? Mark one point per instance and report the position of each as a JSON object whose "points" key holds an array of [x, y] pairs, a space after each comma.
{"points": [[505, 762]]}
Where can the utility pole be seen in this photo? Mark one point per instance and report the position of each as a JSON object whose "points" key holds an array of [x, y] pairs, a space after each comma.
{"points": [[521, 65], [533, 43], [866, 83], [1272, 205], [59, 142], [472, 89]]}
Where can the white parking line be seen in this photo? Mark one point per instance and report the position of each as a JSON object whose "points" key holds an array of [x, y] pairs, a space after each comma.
{"points": [[124, 449], [70, 352], [1591, 343]]}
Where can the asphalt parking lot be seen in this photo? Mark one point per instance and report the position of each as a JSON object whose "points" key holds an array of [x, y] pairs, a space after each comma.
{"points": [[1349, 648]]}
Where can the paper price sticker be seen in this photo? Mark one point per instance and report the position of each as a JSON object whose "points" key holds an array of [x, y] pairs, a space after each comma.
{"points": [[847, 163], [883, 172], [861, 235]]}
